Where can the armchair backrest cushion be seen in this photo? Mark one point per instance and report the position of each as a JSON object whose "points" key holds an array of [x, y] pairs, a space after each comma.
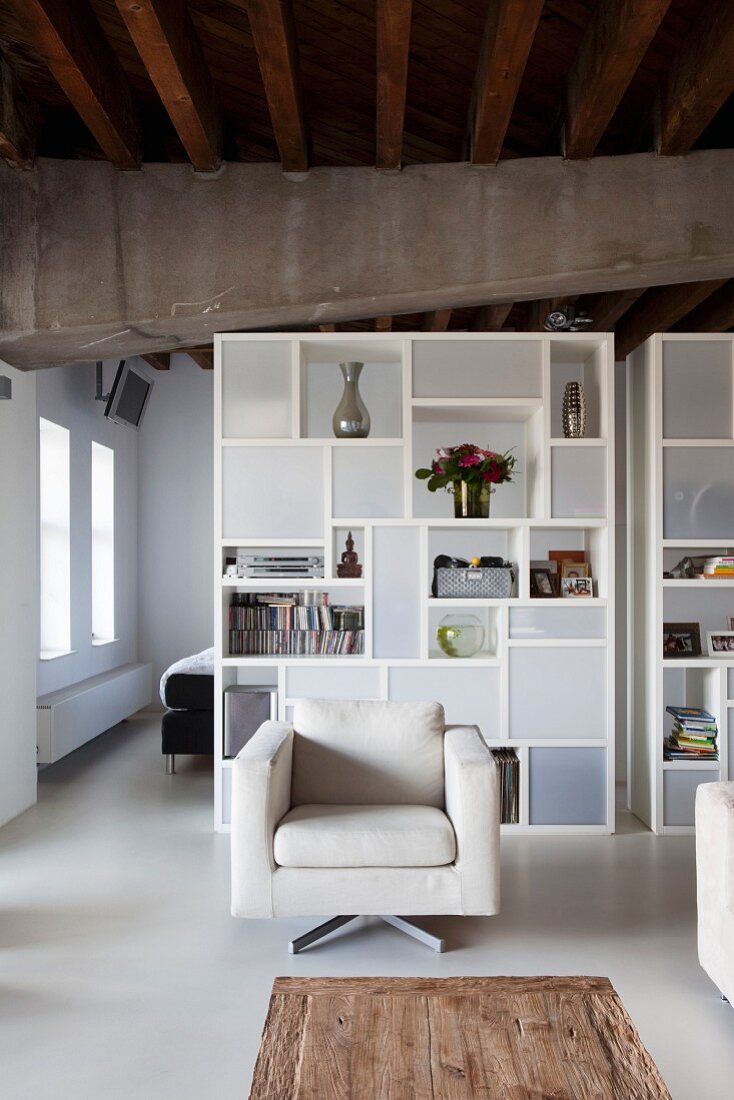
{"points": [[368, 753]]}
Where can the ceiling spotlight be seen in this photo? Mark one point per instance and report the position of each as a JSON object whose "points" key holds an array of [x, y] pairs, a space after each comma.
{"points": [[567, 320]]}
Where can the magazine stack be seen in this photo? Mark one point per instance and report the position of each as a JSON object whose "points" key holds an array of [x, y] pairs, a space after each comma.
{"points": [[718, 567], [509, 766], [694, 735]]}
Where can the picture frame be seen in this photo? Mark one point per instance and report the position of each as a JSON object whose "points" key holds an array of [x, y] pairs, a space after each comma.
{"points": [[541, 584], [544, 563], [548, 566], [720, 643], [575, 569], [681, 640], [577, 588], [730, 620], [559, 556]]}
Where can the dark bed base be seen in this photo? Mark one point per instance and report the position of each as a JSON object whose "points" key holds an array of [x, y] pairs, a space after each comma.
{"points": [[191, 731]]}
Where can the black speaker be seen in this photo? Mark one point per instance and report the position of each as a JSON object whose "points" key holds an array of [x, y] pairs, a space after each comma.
{"points": [[245, 709]]}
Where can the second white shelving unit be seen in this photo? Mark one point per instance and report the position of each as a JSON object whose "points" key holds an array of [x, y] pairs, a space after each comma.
{"points": [[681, 481]]}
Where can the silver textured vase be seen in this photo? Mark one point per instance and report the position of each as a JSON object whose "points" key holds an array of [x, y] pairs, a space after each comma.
{"points": [[574, 411], [351, 419]]}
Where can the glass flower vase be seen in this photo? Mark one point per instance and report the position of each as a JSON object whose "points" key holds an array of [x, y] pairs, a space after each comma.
{"points": [[471, 499]]}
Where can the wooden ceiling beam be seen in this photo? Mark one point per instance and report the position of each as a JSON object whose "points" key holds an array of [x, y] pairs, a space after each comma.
{"points": [[660, 308], [614, 43], [166, 40], [492, 318], [714, 314], [203, 357], [606, 309], [274, 34], [19, 120], [70, 40], [699, 81], [438, 320], [393, 19], [158, 360], [508, 36]]}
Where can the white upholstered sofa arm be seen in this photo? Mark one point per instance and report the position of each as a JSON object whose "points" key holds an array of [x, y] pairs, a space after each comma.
{"points": [[473, 806], [715, 875], [261, 796], [715, 848]]}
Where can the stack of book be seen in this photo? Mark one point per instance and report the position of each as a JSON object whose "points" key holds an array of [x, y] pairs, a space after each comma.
{"points": [[293, 624], [509, 766], [719, 567], [693, 736]]}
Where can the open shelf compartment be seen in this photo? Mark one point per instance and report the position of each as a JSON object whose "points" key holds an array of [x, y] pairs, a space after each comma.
{"points": [[443, 426], [580, 361], [380, 385]]}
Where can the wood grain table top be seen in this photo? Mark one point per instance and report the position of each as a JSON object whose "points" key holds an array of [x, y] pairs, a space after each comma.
{"points": [[503, 1038]]}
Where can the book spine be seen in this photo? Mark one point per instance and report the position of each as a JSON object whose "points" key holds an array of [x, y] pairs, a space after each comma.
{"points": [[285, 642]]}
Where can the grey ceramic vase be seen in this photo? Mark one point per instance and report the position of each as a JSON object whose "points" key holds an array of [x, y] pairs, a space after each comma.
{"points": [[351, 419], [574, 411]]}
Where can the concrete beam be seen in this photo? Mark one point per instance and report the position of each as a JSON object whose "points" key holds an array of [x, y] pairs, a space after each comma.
{"points": [[97, 263]]}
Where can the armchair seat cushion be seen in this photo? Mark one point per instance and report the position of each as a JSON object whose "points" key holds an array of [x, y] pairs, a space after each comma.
{"points": [[364, 836]]}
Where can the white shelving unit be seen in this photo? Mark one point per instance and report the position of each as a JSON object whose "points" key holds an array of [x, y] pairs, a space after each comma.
{"points": [[681, 501], [544, 681]]}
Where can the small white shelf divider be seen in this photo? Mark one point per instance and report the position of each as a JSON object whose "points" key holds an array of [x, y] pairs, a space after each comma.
{"points": [[680, 504], [544, 682]]}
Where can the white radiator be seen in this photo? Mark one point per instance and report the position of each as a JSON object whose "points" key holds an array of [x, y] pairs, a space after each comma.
{"points": [[70, 717]]}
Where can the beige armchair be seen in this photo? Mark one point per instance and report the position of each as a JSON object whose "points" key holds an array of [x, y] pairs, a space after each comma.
{"points": [[375, 807]]}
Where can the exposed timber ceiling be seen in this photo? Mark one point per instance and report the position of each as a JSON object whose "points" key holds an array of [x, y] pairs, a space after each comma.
{"points": [[381, 84]]}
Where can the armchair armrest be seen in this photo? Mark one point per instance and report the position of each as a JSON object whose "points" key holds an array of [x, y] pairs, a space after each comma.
{"points": [[715, 849], [473, 806], [261, 796]]}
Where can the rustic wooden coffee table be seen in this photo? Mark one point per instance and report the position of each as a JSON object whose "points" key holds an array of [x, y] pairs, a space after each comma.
{"points": [[451, 1038]]}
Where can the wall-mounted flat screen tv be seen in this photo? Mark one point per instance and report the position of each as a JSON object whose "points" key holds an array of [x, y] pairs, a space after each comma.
{"points": [[129, 396]]}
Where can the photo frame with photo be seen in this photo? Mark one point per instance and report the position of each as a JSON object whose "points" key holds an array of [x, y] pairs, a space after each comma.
{"points": [[720, 643], [681, 640], [577, 587], [541, 584], [575, 569]]}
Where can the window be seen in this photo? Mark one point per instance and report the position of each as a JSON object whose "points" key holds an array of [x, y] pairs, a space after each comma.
{"points": [[55, 539], [103, 544]]}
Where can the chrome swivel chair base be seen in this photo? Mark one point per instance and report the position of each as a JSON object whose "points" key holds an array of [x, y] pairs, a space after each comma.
{"points": [[401, 923]]}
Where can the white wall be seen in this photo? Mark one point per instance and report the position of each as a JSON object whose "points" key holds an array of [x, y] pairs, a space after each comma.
{"points": [[65, 395], [18, 595], [175, 499]]}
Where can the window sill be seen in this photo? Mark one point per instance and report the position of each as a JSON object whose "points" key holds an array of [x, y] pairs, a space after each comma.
{"points": [[53, 654], [103, 641]]}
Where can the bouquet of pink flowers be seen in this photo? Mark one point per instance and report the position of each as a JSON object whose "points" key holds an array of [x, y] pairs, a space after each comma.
{"points": [[469, 463]]}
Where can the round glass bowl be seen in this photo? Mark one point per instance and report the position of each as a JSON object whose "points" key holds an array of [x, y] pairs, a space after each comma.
{"points": [[460, 635]]}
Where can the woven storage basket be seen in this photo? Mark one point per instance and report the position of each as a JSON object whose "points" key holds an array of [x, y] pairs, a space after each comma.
{"points": [[493, 583]]}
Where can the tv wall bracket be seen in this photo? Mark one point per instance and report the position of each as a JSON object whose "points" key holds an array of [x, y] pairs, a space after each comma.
{"points": [[99, 394]]}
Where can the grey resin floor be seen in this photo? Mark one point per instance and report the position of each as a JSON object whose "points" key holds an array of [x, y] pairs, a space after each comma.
{"points": [[122, 974]]}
